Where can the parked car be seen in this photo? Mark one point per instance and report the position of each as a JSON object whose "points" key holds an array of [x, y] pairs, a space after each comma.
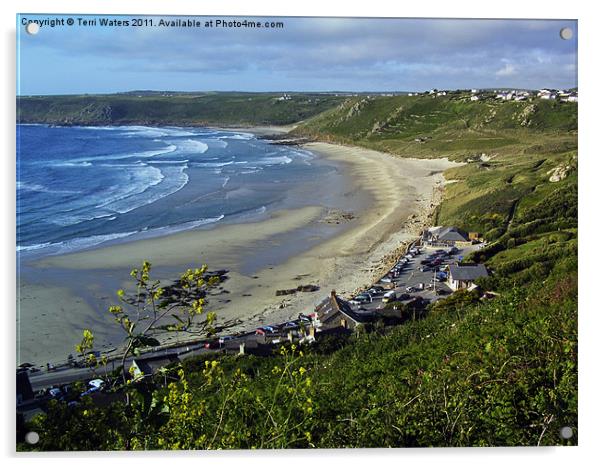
{"points": [[411, 289], [403, 297], [363, 298], [291, 325], [224, 339], [93, 387], [96, 383], [386, 280], [56, 393], [424, 268], [390, 296], [211, 344]]}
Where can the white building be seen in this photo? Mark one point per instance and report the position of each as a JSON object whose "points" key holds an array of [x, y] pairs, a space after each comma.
{"points": [[463, 276]]}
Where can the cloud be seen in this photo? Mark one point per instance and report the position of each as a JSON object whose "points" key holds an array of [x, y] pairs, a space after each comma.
{"points": [[311, 53], [507, 70]]}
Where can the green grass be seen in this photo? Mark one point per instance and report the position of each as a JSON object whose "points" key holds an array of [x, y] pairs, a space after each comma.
{"points": [[178, 109]]}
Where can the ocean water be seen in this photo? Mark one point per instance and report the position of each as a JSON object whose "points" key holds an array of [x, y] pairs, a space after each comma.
{"points": [[79, 187]]}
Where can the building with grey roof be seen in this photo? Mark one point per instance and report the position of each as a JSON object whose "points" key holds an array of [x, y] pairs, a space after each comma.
{"points": [[463, 275], [334, 311], [445, 237]]}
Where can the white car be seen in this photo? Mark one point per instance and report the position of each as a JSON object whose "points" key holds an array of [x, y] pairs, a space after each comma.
{"points": [[96, 383]]}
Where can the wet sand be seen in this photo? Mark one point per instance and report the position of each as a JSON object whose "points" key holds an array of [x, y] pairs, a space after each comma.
{"points": [[395, 197]]}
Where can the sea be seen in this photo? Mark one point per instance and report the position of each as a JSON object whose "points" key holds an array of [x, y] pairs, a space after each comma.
{"points": [[84, 187]]}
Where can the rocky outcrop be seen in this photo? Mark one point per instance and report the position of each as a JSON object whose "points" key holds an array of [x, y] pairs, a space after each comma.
{"points": [[560, 172]]}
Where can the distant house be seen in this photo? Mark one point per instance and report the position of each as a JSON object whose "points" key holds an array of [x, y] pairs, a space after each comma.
{"points": [[474, 97], [336, 312], [546, 94], [445, 237], [463, 276], [149, 365]]}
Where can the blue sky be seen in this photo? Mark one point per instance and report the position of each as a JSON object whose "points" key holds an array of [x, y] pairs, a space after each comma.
{"points": [[308, 54]]}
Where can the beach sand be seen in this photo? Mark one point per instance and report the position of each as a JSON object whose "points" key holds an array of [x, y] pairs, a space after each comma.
{"points": [[402, 193]]}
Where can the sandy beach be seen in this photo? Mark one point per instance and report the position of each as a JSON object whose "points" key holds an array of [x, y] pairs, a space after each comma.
{"points": [[396, 195]]}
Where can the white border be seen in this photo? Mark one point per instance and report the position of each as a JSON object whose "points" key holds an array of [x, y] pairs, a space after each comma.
{"points": [[589, 160]]}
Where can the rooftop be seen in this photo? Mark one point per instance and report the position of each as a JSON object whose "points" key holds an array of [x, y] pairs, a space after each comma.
{"points": [[467, 272]]}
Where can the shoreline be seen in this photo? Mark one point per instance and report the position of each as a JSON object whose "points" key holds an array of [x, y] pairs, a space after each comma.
{"points": [[403, 195]]}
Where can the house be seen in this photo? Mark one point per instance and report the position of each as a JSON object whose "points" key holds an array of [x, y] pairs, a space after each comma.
{"points": [[474, 97], [461, 276], [445, 237], [546, 94], [334, 311], [146, 366]]}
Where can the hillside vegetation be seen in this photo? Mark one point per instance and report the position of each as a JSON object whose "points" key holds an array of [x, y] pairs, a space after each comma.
{"points": [[224, 108], [510, 148], [470, 372]]}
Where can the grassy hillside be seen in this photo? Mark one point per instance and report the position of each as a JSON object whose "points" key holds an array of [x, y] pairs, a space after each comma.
{"points": [[510, 148], [175, 109], [447, 125]]}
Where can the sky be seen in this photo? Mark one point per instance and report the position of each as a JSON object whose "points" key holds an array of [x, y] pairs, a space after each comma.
{"points": [[307, 54]]}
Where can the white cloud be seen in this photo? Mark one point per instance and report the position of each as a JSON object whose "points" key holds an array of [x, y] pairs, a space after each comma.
{"points": [[508, 70]]}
